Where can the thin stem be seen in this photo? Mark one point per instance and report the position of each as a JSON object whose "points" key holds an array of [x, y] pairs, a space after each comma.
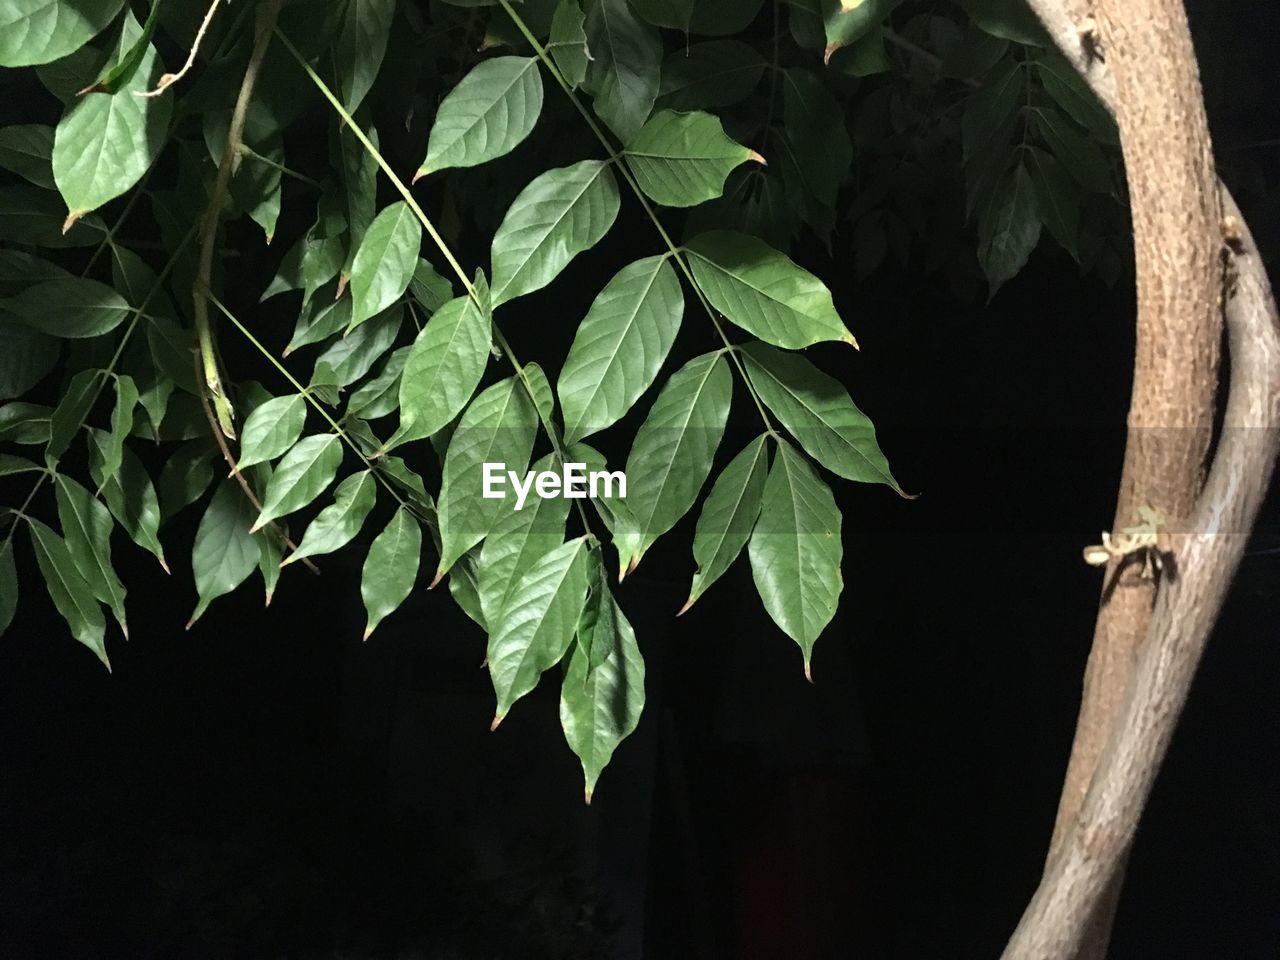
{"points": [[252, 154], [674, 251]]}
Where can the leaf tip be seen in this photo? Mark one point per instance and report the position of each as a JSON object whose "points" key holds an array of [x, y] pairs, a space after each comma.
{"points": [[758, 157], [72, 217], [422, 172], [687, 604], [440, 572], [850, 339], [164, 566], [808, 670], [367, 632], [497, 719], [587, 793], [829, 52], [124, 628]]}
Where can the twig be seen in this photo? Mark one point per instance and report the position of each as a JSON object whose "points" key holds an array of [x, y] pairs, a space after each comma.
{"points": [[169, 79]]}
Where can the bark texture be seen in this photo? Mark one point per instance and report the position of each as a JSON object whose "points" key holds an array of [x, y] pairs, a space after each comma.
{"points": [[1144, 658]]}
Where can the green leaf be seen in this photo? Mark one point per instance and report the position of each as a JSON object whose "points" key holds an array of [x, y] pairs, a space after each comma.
{"points": [[127, 65], [69, 415], [1009, 21], [682, 159], [848, 21], [485, 116], [728, 515], [764, 291], [674, 14], [27, 423], [380, 395], [1082, 158], [27, 149], [600, 705], [31, 215], [129, 494], [568, 43], [816, 409], [350, 357], [41, 31], [359, 47], [620, 346], [518, 540], [556, 217], [990, 107], [270, 550], [463, 589], [11, 465], [1057, 199], [498, 427], [87, 525], [428, 288], [8, 585], [105, 142], [225, 552], [271, 429], [714, 74], [812, 149], [674, 447], [390, 568], [26, 357], [321, 317], [186, 475], [1008, 228], [301, 476], [625, 67], [385, 262], [338, 523], [70, 593], [1069, 91], [537, 623], [70, 307], [795, 550], [719, 18], [445, 365], [121, 423]]}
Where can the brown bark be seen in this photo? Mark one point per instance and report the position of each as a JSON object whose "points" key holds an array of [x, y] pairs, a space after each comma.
{"points": [[1142, 661]]}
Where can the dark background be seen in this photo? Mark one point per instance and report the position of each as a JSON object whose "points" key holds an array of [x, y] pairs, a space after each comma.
{"points": [[266, 786]]}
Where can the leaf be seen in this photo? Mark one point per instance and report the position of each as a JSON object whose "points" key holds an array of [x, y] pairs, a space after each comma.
{"points": [[11, 465], [301, 476], [682, 159], [121, 423], [674, 447], [498, 427], [1057, 200], [390, 568], [846, 22], [129, 494], [812, 149], [321, 317], [87, 525], [26, 149], [568, 43], [380, 395], [625, 67], [1008, 228], [518, 540], [714, 74], [105, 142], [69, 415], [26, 357], [444, 367], [225, 552], [674, 14], [728, 515], [600, 706], [359, 47], [385, 262], [763, 291], [120, 74], [462, 587], [350, 357], [41, 31], [270, 550], [271, 429], [70, 307], [27, 423], [556, 217], [620, 346], [1082, 158], [537, 623], [31, 215], [723, 17], [988, 109], [338, 523], [185, 476], [8, 585], [428, 288], [1009, 21], [795, 550], [486, 115], [70, 593], [816, 409]]}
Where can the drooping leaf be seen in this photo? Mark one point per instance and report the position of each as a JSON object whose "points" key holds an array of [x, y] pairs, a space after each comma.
{"points": [[600, 705], [498, 427], [430, 290], [518, 540], [728, 516], [129, 494], [764, 291], [27, 150], [674, 447], [11, 465], [811, 149], [1008, 228], [385, 262], [486, 115], [846, 22], [271, 429], [105, 142], [710, 75], [41, 31], [537, 623], [390, 568], [682, 159], [360, 184], [1081, 157], [186, 475], [1057, 202], [360, 46], [560, 214], [625, 67], [337, 524], [26, 357], [70, 413], [27, 423], [121, 423], [127, 63], [321, 317], [380, 395], [71, 595], [818, 412], [443, 369], [795, 550], [86, 526], [71, 307], [568, 43], [350, 357], [270, 549], [8, 584], [620, 346], [225, 552], [301, 476], [464, 590]]}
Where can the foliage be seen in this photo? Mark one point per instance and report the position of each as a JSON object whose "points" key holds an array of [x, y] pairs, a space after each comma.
{"points": [[946, 136]]}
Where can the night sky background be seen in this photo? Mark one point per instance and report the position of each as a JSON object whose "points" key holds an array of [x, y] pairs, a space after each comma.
{"points": [[264, 785]]}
